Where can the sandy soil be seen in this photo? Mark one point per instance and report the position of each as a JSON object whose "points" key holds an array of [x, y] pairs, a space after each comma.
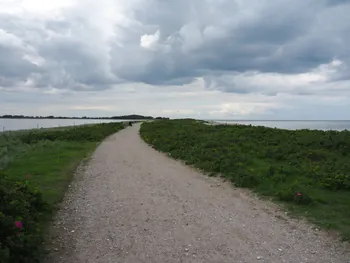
{"points": [[131, 203]]}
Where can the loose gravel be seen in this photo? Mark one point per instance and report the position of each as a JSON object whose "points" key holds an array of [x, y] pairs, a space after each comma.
{"points": [[133, 204]]}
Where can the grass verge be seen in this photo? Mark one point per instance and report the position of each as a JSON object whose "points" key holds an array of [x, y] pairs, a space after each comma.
{"points": [[36, 167], [307, 170]]}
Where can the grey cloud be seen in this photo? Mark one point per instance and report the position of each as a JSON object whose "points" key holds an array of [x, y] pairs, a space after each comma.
{"points": [[13, 65], [59, 26], [69, 61], [337, 2], [280, 38], [276, 24], [81, 64], [197, 39]]}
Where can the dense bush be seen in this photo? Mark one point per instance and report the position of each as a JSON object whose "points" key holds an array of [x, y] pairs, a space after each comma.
{"points": [[301, 167], [21, 207]]}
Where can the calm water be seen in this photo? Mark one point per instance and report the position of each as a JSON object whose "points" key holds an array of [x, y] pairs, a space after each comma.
{"points": [[295, 125], [23, 124]]}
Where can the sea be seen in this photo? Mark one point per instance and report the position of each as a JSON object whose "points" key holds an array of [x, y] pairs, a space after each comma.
{"points": [[337, 125], [24, 124]]}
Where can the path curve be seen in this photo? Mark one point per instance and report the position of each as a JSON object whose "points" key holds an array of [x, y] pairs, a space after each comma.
{"points": [[133, 204]]}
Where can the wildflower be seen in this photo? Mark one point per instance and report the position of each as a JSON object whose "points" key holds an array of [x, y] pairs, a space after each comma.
{"points": [[19, 224], [298, 194], [28, 176]]}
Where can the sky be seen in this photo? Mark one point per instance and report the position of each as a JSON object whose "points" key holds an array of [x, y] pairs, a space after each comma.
{"points": [[207, 59]]}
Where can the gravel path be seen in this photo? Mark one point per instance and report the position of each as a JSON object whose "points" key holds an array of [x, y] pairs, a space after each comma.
{"points": [[133, 204]]}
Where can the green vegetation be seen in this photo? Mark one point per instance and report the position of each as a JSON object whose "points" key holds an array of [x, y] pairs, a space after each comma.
{"points": [[36, 167], [308, 170]]}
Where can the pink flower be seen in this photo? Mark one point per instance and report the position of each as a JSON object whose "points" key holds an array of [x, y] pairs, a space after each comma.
{"points": [[18, 224], [298, 194]]}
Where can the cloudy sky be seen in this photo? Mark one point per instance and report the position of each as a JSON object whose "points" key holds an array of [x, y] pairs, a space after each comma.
{"points": [[212, 59]]}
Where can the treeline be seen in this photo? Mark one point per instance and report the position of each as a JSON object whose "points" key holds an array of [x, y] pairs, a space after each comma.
{"points": [[124, 117]]}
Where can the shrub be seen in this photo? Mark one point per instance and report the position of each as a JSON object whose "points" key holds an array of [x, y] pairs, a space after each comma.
{"points": [[243, 178], [336, 181], [21, 206]]}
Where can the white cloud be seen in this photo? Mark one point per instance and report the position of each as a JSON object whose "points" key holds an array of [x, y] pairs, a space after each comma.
{"points": [[150, 41], [316, 81], [239, 109], [106, 108], [214, 32]]}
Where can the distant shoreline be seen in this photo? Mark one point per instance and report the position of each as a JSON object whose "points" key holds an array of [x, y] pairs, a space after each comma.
{"points": [[72, 118], [125, 117]]}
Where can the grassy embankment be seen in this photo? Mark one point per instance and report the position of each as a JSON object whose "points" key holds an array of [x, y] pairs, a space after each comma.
{"points": [[306, 170], [35, 169]]}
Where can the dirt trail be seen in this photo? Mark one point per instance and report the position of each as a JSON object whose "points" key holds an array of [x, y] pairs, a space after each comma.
{"points": [[133, 204]]}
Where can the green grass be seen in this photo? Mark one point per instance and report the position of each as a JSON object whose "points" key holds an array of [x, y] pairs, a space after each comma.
{"points": [[50, 165], [306, 170], [50, 157]]}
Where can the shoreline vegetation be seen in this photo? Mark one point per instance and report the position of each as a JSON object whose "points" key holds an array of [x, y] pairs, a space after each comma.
{"points": [[124, 117], [36, 167], [306, 171]]}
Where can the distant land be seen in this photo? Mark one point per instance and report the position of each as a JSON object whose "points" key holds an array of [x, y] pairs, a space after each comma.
{"points": [[124, 117]]}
